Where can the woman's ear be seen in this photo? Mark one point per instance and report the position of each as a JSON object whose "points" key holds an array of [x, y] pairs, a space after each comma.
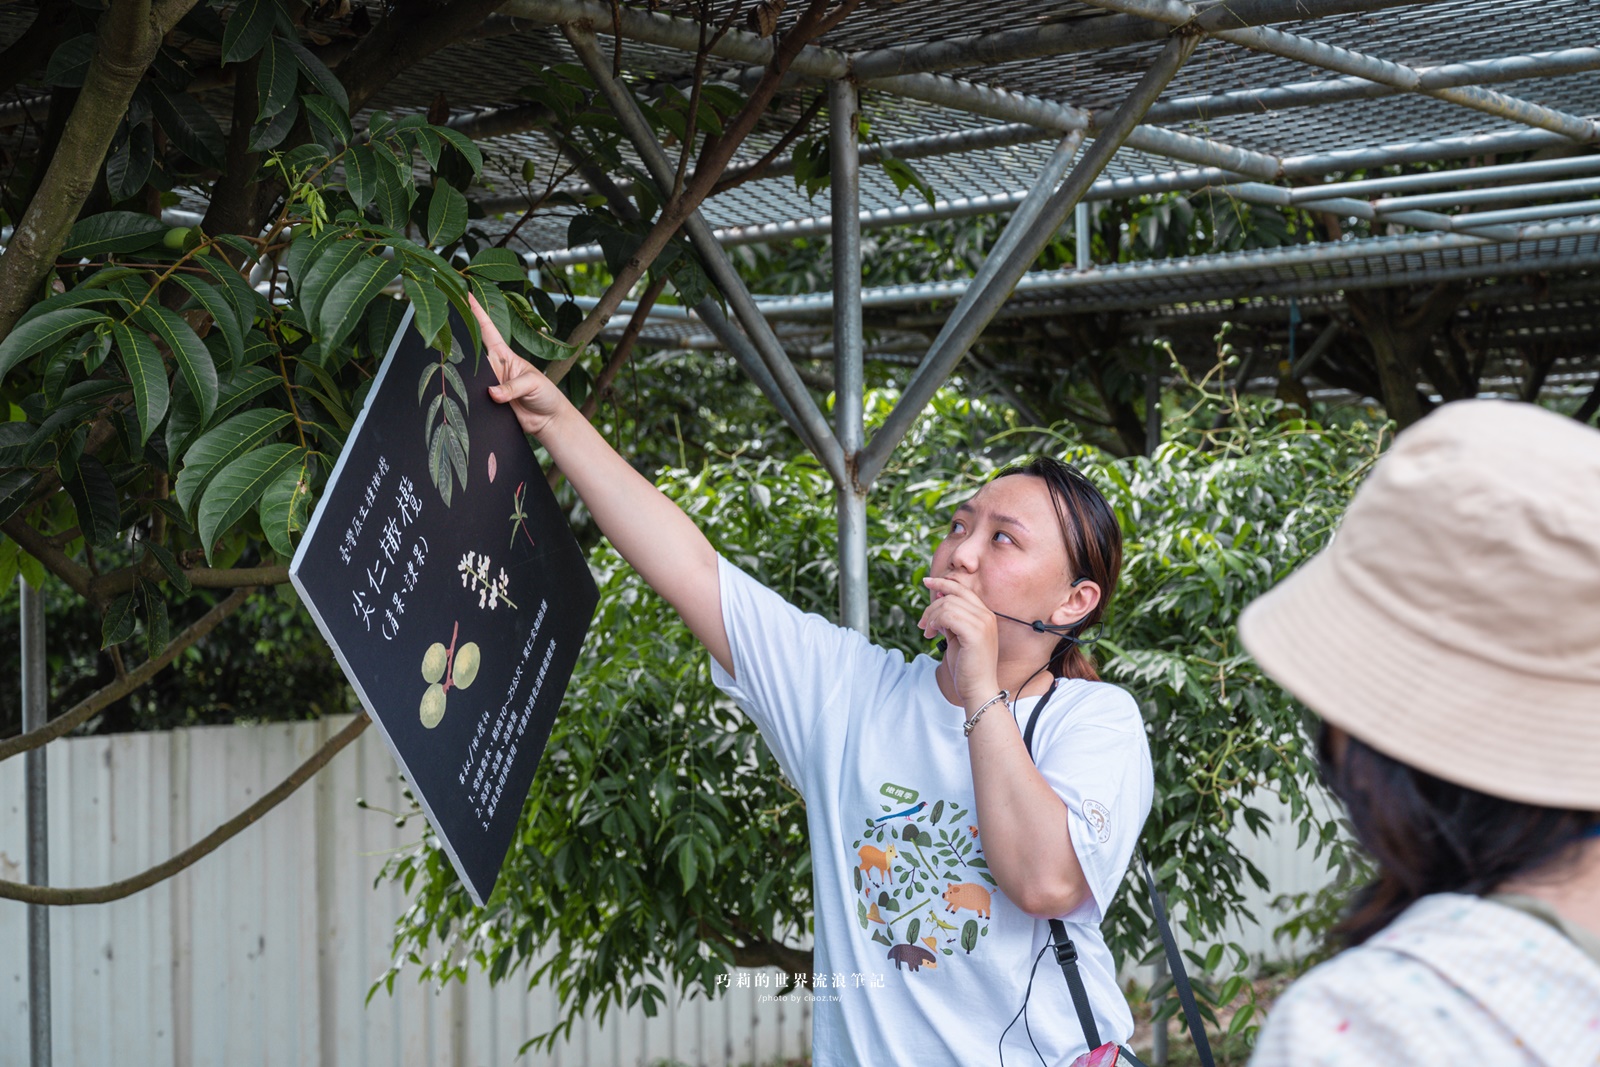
{"points": [[1079, 603]]}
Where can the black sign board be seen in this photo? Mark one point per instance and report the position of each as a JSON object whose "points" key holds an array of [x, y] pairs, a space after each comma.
{"points": [[441, 570]]}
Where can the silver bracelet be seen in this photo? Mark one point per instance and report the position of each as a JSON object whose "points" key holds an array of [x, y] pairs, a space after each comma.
{"points": [[1003, 697]]}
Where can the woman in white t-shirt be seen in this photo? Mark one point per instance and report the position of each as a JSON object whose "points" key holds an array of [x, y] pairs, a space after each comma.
{"points": [[939, 847]]}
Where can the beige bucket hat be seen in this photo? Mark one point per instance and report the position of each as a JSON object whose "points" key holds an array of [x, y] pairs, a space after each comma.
{"points": [[1453, 622]]}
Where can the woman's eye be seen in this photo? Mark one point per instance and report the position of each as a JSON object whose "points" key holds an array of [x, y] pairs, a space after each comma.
{"points": [[1008, 538], [956, 527]]}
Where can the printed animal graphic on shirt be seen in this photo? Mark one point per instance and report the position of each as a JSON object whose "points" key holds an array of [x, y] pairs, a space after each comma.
{"points": [[876, 859], [914, 956], [918, 864], [967, 895]]}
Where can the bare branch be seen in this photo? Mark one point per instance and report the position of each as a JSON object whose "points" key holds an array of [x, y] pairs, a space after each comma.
{"points": [[758, 170], [625, 346], [709, 167], [104, 697], [100, 894]]}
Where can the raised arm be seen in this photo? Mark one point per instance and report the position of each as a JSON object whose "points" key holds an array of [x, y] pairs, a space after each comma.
{"points": [[656, 538]]}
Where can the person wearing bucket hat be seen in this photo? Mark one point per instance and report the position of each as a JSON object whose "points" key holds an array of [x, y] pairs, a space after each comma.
{"points": [[1449, 639]]}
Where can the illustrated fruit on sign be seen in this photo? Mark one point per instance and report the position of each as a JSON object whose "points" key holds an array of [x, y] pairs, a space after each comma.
{"points": [[434, 662], [444, 668], [433, 705], [468, 660]]}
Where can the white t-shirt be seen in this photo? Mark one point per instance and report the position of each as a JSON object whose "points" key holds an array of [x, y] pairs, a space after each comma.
{"points": [[927, 959]]}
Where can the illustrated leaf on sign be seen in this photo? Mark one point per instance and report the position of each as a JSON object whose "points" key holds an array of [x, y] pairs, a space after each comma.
{"points": [[445, 427]]}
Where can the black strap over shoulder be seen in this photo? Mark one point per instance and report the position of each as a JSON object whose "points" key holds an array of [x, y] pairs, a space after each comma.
{"points": [[1180, 975], [1067, 952], [1067, 957]]}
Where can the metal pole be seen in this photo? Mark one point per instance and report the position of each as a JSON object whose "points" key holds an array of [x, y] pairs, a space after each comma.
{"points": [[1207, 106], [1080, 224], [844, 105], [942, 358], [1080, 35], [1211, 267], [35, 709], [1019, 228], [1345, 61]]}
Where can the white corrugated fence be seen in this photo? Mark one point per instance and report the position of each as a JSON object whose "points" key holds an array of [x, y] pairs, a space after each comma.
{"points": [[263, 952]]}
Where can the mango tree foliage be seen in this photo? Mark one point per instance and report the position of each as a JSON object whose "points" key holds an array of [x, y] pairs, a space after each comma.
{"points": [[661, 845]]}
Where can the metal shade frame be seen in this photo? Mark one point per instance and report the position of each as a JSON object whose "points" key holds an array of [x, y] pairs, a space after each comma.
{"points": [[1135, 148]]}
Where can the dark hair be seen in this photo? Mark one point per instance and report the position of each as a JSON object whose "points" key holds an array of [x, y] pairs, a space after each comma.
{"points": [[1433, 836], [1094, 549]]}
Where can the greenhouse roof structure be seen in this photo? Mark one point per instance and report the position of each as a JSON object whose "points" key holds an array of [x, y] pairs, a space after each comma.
{"points": [[1277, 100], [1031, 108], [1456, 135]]}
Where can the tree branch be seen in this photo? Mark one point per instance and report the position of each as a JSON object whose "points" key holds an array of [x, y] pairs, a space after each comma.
{"points": [[709, 167], [74, 574], [36, 894], [625, 346], [129, 34], [758, 170], [109, 694], [121, 580]]}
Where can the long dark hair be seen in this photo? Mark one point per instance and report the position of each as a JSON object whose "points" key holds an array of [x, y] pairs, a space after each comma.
{"points": [[1094, 549], [1433, 836]]}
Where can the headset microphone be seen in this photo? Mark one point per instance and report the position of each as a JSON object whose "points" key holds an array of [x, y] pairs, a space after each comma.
{"points": [[1065, 632]]}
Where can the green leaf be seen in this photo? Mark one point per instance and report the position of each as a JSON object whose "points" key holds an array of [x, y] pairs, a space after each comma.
{"points": [[319, 75], [433, 309], [304, 249], [128, 165], [395, 190], [331, 115], [350, 296], [463, 144], [112, 231], [221, 310], [237, 487], [276, 77], [94, 496], [16, 489], [157, 627], [220, 446], [244, 385], [334, 261], [246, 302], [447, 215], [116, 626], [146, 373], [189, 125], [498, 265], [69, 63], [194, 361], [687, 866], [271, 134], [248, 29], [169, 563], [71, 298], [43, 333], [361, 175], [285, 505]]}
